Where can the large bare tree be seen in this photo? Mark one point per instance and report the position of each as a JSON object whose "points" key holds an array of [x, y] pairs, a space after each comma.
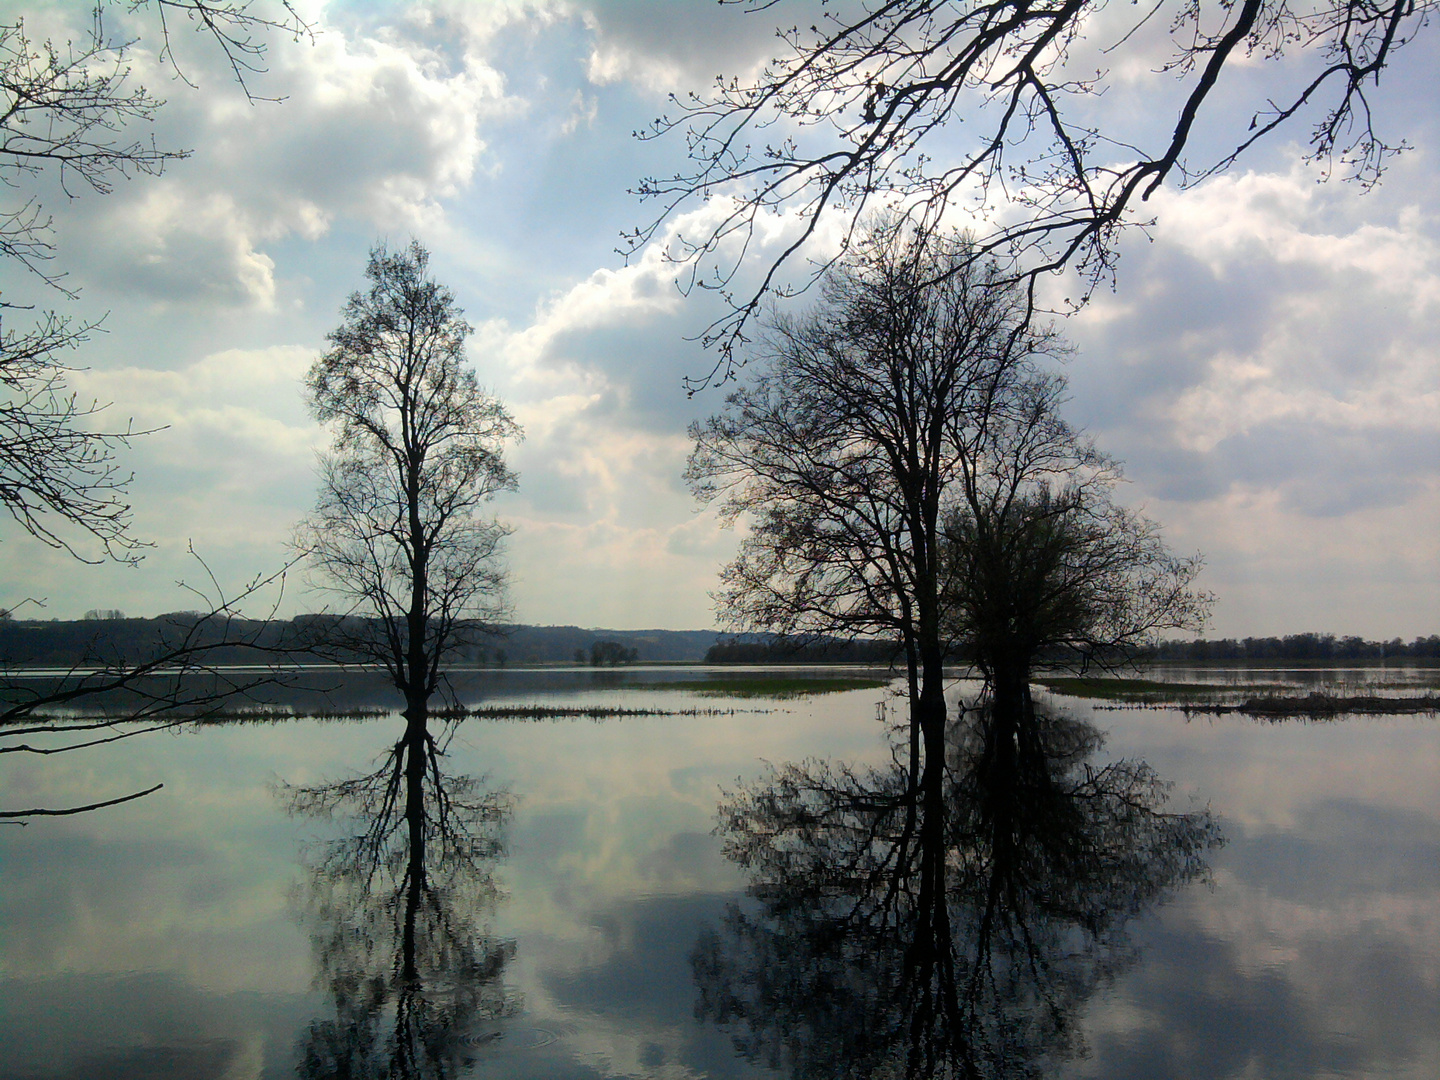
{"points": [[900, 460], [398, 532], [993, 109], [848, 443]]}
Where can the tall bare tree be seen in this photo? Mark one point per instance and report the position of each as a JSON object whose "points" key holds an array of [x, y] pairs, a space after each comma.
{"points": [[904, 470], [993, 108], [397, 533], [846, 446]]}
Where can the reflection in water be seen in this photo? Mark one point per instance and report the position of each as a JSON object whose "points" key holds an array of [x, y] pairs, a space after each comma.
{"points": [[397, 917], [947, 928]]}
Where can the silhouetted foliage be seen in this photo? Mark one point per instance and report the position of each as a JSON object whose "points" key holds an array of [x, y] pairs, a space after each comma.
{"points": [[1309, 646], [52, 642], [68, 110], [1042, 566], [58, 476], [802, 650], [611, 654]]}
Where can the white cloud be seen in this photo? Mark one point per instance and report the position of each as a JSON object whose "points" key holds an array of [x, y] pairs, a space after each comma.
{"points": [[379, 129], [230, 458], [663, 47], [1270, 370], [1352, 318]]}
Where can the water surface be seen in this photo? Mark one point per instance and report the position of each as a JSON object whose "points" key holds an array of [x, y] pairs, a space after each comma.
{"points": [[183, 936]]}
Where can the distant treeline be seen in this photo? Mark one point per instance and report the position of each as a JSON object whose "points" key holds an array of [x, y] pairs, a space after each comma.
{"points": [[807, 651], [1296, 647], [757, 649], [94, 641], [99, 640]]}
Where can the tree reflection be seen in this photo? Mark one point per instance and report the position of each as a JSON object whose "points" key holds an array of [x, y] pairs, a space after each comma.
{"points": [[397, 916], [948, 927]]}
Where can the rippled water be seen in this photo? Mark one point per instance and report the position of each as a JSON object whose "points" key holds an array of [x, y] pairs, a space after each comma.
{"points": [[185, 935]]}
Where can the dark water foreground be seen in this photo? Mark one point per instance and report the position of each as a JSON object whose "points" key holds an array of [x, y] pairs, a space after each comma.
{"points": [[1217, 898]]}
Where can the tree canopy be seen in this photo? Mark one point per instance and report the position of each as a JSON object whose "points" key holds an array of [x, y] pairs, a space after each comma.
{"points": [[1041, 562]]}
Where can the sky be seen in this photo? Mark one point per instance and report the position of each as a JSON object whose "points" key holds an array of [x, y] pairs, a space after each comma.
{"points": [[1267, 366]]}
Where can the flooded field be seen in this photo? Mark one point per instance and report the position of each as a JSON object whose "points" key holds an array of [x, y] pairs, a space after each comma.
{"points": [[1273, 908]]}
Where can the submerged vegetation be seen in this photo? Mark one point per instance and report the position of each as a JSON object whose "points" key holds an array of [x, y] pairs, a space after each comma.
{"points": [[769, 686], [1321, 705], [1146, 691], [1263, 700], [778, 687]]}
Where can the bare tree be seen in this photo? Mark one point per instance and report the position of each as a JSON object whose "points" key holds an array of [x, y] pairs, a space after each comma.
{"points": [[848, 443], [1042, 565], [397, 533], [865, 107]]}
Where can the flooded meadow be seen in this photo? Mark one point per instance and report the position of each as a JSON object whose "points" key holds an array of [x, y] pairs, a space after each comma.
{"points": [[692, 872]]}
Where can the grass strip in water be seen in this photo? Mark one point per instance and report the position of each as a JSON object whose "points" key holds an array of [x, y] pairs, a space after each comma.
{"points": [[765, 686], [1146, 691], [275, 714], [587, 712], [1323, 706], [1266, 702]]}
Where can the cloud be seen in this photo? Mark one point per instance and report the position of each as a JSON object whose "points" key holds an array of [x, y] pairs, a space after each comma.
{"points": [[230, 454], [664, 47], [1270, 371], [377, 127], [596, 379]]}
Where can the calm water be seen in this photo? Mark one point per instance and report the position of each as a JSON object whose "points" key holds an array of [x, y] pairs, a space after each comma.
{"points": [[592, 915]]}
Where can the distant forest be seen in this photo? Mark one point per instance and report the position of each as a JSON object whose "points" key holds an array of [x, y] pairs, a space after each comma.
{"points": [[758, 650], [106, 637], [754, 650], [1297, 647], [118, 640]]}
